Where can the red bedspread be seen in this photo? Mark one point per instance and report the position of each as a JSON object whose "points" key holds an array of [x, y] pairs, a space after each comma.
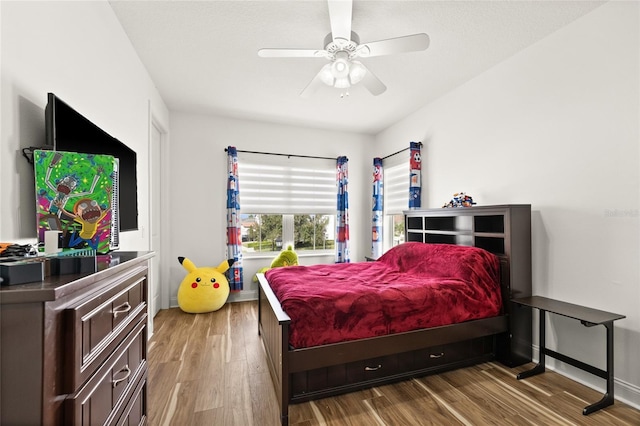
{"points": [[412, 286]]}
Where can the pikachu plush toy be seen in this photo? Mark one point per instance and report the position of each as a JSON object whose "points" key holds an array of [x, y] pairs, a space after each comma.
{"points": [[204, 289]]}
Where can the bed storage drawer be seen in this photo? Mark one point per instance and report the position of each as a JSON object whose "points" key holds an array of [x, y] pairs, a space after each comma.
{"points": [[103, 399], [98, 324], [374, 371], [349, 374], [455, 352], [371, 369]]}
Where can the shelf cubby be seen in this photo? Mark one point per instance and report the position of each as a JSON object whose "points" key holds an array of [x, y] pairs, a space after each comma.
{"points": [[488, 223], [415, 222], [448, 223], [490, 244], [415, 237]]}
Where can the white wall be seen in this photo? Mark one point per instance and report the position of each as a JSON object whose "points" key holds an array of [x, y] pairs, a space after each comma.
{"points": [[556, 126], [198, 185], [79, 51]]}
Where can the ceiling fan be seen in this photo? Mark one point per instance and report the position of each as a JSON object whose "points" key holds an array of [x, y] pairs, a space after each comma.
{"points": [[342, 47]]}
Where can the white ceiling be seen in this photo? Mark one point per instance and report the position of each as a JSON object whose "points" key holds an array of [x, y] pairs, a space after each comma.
{"points": [[202, 55]]}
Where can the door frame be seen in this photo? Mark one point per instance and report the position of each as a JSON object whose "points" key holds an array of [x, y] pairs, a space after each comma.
{"points": [[161, 256]]}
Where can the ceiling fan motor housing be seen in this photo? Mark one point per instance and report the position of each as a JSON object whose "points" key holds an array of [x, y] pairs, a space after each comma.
{"points": [[341, 45]]}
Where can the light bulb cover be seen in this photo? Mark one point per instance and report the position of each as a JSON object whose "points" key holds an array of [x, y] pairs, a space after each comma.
{"points": [[342, 83], [340, 68], [326, 75], [357, 71]]}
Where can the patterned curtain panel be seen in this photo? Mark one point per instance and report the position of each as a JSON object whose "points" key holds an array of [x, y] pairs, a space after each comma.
{"points": [[234, 239], [377, 214], [342, 225], [415, 175]]}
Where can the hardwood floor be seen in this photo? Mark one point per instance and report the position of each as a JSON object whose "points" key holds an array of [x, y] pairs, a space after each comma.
{"points": [[209, 369]]}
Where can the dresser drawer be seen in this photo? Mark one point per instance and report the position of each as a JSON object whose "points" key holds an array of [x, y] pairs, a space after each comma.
{"points": [[95, 326], [109, 391], [134, 413]]}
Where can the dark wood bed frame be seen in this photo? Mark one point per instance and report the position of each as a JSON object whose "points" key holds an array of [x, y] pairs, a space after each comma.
{"points": [[321, 371]]}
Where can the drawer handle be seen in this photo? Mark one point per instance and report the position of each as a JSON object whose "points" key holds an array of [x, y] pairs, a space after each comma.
{"points": [[127, 373], [373, 368], [433, 356], [122, 309]]}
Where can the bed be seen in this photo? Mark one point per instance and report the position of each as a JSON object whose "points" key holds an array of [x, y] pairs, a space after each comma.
{"points": [[384, 342]]}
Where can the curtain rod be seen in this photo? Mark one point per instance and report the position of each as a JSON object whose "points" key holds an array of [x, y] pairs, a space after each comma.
{"points": [[283, 155], [398, 152]]}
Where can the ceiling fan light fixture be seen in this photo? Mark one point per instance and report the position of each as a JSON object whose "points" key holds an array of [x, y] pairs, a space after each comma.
{"points": [[357, 71], [342, 83], [340, 66], [326, 75]]}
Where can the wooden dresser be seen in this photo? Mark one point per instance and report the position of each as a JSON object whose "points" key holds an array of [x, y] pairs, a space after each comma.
{"points": [[74, 347]]}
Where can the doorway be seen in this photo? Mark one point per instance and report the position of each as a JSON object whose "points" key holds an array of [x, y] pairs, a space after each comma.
{"points": [[156, 159]]}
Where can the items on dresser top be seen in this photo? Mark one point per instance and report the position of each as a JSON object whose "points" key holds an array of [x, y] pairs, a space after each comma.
{"points": [[27, 269]]}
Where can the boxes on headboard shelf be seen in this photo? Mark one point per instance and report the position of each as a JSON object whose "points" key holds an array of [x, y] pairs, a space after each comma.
{"points": [[20, 270]]}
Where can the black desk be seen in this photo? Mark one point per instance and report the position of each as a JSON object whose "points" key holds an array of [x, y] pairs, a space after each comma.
{"points": [[589, 318]]}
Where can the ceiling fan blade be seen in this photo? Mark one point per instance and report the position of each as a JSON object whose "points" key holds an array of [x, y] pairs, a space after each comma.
{"points": [[314, 85], [410, 43], [373, 83], [292, 53], [340, 16]]}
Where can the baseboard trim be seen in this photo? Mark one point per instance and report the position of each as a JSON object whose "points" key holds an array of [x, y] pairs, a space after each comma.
{"points": [[243, 296], [240, 296]]}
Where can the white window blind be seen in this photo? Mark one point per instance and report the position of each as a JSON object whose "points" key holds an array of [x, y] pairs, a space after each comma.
{"points": [[396, 184], [286, 185]]}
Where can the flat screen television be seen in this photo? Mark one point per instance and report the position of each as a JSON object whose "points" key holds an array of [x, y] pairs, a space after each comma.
{"points": [[68, 130]]}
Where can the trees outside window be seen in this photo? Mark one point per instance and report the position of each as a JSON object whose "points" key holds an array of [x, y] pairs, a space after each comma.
{"points": [[271, 232]]}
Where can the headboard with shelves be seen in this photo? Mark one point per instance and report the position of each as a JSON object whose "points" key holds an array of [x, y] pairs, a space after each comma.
{"points": [[492, 228]]}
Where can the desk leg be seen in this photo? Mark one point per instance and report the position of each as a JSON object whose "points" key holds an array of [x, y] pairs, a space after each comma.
{"points": [[607, 399], [541, 341]]}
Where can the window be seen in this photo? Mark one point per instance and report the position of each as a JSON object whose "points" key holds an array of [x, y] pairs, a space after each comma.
{"points": [[398, 229], [286, 200], [272, 232], [396, 199], [260, 232], [311, 232]]}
